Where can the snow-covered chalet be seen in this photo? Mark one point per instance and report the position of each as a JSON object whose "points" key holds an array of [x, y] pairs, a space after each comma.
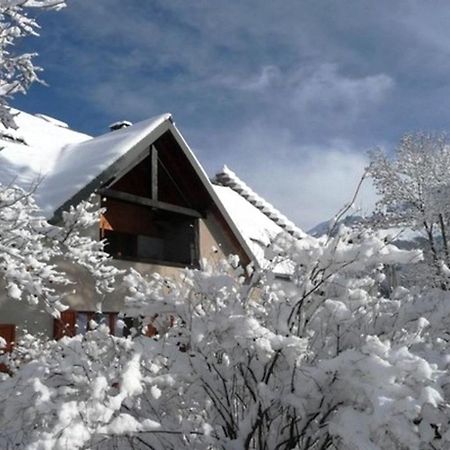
{"points": [[163, 213]]}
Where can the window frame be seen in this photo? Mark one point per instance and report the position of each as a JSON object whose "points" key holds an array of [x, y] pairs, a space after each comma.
{"points": [[66, 325], [194, 259], [111, 316]]}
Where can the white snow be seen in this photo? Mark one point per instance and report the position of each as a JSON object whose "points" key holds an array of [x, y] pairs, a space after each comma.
{"points": [[25, 165], [131, 377], [255, 227], [52, 120], [119, 124], [229, 179], [62, 160]]}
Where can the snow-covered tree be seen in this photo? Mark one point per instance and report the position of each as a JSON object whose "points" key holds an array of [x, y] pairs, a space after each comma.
{"points": [[32, 251], [414, 190], [17, 70], [246, 361]]}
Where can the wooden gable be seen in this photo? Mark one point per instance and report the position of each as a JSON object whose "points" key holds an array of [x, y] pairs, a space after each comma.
{"points": [[154, 207]]}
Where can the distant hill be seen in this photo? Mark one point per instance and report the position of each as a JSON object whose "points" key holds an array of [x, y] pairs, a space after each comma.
{"points": [[402, 237], [324, 227]]}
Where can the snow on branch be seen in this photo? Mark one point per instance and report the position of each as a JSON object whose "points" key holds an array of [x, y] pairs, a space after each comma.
{"points": [[18, 71], [31, 251]]}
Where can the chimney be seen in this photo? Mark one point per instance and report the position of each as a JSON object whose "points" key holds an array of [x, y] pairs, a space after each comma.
{"points": [[119, 125]]}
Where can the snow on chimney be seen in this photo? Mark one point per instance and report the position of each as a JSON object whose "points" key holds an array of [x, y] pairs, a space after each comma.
{"points": [[119, 125]]}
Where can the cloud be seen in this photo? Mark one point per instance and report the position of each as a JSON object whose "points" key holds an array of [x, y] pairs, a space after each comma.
{"points": [[318, 188], [326, 183], [267, 77], [290, 94], [308, 183], [326, 92], [321, 94]]}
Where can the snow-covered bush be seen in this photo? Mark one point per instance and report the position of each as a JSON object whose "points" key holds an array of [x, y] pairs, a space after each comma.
{"points": [[324, 360], [75, 393], [32, 251]]}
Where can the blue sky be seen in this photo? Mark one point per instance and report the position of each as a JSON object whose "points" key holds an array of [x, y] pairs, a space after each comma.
{"points": [[290, 94]]}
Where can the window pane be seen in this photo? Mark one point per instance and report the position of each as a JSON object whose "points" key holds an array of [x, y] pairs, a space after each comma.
{"points": [[121, 245], [101, 318], [150, 247], [164, 237], [83, 319], [82, 323], [127, 326]]}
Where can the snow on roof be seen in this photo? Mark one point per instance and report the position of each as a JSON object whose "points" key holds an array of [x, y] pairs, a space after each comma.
{"points": [[81, 163], [119, 124], [62, 160], [229, 179], [52, 120], [32, 150], [254, 226]]}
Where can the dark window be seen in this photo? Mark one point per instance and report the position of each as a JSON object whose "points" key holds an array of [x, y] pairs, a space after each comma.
{"points": [[150, 235], [138, 181], [126, 326], [168, 189]]}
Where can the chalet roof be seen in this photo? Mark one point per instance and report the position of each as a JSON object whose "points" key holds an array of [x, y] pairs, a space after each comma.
{"points": [[34, 149], [68, 164], [228, 178], [256, 228], [63, 161]]}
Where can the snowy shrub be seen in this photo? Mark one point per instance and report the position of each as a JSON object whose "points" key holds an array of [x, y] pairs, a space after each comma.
{"points": [[324, 360], [32, 251], [74, 393]]}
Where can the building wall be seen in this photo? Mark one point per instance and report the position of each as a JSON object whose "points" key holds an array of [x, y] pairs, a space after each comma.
{"points": [[214, 245], [33, 320]]}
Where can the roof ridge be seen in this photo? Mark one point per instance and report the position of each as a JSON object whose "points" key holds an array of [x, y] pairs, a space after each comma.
{"points": [[228, 178]]}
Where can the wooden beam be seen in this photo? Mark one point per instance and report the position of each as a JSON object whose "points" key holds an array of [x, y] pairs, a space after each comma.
{"points": [[154, 172], [174, 183], [143, 201]]}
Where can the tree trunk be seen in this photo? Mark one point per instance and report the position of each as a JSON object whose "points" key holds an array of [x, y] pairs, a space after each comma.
{"points": [[444, 239], [434, 253], [429, 230]]}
